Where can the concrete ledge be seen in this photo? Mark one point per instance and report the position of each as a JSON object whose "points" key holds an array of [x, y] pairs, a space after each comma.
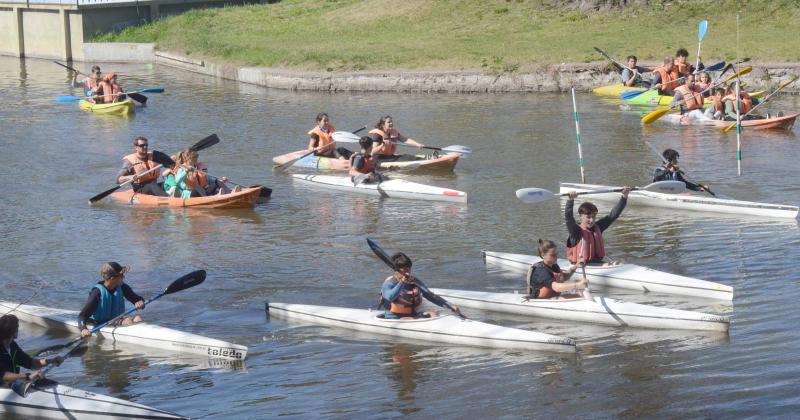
{"points": [[118, 52]]}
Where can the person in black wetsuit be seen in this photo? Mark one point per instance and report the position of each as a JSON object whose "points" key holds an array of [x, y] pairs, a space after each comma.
{"points": [[671, 172], [12, 357]]}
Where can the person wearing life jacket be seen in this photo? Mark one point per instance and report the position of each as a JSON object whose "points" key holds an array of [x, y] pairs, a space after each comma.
{"points": [[112, 92], [12, 357], [716, 109], [682, 66], [402, 293], [665, 78], [107, 299], [386, 137], [731, 104], [702, 83], [138, 167], [91, 84], [585, 242], [363, 166], [633, 78], [321, 136], [189, 178], [546, 279], [671, 172], [687, 95]]}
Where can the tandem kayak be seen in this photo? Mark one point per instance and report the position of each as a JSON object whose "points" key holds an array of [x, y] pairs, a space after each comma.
{"points": [[654, 99], [615, 90], [125, 107], [56, 401], [625, 276], [406, 163], [601, 310], [246, 198], [448, 329], [392, 188], [692, 202], [785, 122], [142, 333]]}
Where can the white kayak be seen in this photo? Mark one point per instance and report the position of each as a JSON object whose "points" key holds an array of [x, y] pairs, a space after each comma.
{"points": [[441, 328], [392, 188], [625, 276], [57, 401], [600, 310], [142, 333], [693, 202]]}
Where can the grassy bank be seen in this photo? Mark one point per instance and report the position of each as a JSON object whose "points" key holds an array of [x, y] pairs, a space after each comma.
{"points": [[493, 36]]}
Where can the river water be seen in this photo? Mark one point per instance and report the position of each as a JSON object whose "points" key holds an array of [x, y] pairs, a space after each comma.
{"points": [[307, 246]]}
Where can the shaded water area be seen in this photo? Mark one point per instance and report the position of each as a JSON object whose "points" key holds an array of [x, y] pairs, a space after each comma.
{"points": [[307, 246]]}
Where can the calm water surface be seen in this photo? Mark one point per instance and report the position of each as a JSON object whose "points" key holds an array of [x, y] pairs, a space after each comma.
{"points": [[307, 246]]}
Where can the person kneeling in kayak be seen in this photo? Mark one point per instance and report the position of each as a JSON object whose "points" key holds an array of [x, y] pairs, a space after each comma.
{"points": [[585, 241], [138, 167], [671, 172], [546, 279], [402, 293], [321, 136], [107, 299], [363, 166], [12, 357]]}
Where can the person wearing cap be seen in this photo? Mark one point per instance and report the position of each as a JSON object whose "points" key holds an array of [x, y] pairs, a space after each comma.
{"points": [[12, 357], [671, 172], [107, 299]]}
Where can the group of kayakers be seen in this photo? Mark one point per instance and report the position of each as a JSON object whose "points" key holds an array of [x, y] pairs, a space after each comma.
{"points": [[100, 89]]}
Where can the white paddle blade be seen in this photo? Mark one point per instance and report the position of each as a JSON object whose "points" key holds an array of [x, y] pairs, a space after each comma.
{"points": [[345, 137], [457, 148], [666, 187], [534, 195]]}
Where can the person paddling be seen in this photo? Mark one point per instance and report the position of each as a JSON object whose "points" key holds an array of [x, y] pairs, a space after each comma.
{"points": [[402, 293], [671, 172], [746, 102], [322, 135], [689, 98], [111, 90], [189, 178], [107, 299], [91, 84], [387, 137], [665, 77], [546, 279], [134, 167], [633, 78], [682, 66], [363, 167], [12, 357], [585, 242]]}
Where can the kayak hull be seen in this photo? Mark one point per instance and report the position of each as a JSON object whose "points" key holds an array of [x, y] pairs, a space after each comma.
{"points": [[447, 329], [601, 310], [246, 198], [122, 108], [625, 276], [615, 90], [785, 122], [689, 202], [393, 188], [57, 401], [444, 163], [142, 333]]}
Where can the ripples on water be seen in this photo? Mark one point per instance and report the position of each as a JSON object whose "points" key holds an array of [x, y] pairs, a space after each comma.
{"points": [[307, 246]]}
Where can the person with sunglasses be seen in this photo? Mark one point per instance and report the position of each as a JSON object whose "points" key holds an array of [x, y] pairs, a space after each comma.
{"points": [[92, 84], [138, 167], [12, 357], [107, 299]]}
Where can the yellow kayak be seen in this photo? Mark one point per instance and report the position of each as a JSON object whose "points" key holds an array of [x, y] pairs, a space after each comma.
{"points": [[614, 90], [116, 108]]}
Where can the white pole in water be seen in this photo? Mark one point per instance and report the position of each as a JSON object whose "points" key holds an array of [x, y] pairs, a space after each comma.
{"points": [[738, 107], [578, 135]]}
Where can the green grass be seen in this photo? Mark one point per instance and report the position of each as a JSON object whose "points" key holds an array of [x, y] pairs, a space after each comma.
{"points": [[493, 36]]}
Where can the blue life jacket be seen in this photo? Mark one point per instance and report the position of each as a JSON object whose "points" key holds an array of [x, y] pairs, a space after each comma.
{"points": [[110, 305]]}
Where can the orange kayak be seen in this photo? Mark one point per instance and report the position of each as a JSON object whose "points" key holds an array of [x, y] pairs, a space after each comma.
{"points": [[777, 123], [246, 198]]}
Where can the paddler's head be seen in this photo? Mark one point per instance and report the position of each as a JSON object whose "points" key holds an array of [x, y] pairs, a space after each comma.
{"points": [[632, 61], [671, 156], [587, 213], [9, 327], [689, 81], [366, 144], [323, 120], [681, 55], [385, 123], [140, 144], [113, 274], [96, 73], [548, 251], [669, 63], [403, 263]]}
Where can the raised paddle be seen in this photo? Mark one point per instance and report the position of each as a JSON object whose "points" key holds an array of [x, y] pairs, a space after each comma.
{"points": [[655, 115], [135, 96], [730, 65], [766, 98], [537, 195], [634, 93], [701, 33], [386, 259], [185, 282], [205, 143], [341, 139], [158, 157], [616, 63], [345, 137], [705, 188], [69, 98]]}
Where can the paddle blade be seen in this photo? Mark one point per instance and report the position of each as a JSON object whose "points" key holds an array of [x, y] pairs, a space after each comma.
{"points": [[205, 143], [68, 99], [162, 158], [151, 90], [103, 194], [381, 253], [534, 195], [655, 115], [345, 137], [457, 148], [138, 98], [715, 67], [632, 94], [666, 187], [701, 30], [188, 281], [285, 165]]}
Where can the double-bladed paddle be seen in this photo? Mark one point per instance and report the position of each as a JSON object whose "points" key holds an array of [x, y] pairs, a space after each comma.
{"points": [[185, 282], [345, 137], [766, 98], [386, 259], [536, 195], [287, 164], [159, 157], [68, 98], [136, 96], [628, 95], [705, 188]]}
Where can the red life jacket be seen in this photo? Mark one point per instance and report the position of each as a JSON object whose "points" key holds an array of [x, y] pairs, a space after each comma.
{"points": [[325, 139], [691, 99], [389, 146], [668, 80], [593, 241], [140, 166], [408, 302], [369, 163]]}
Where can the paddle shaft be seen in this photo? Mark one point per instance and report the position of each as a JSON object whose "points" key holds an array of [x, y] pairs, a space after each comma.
{"points": [[766, 98], [603, 53], [664, 161], [105, 193]]}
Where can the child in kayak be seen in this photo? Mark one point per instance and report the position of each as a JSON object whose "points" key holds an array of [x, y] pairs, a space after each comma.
{"points": [[402, 293], [107, 299], [189, 178], [671, 172], [12, 357], [363, 167], [546, 279], [585, 241]]}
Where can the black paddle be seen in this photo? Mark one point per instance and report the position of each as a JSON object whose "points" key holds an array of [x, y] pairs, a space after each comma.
{"points": [[185, 282], [205, 143], [138, 97], [158, 157], [386, 259], [285, 165]]}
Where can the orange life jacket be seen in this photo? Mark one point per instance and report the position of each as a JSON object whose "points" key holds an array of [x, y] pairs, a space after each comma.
{"points": [[700, 86], [595, 249], [325, 138], [668, 80], [198, 177], [747, 102], [140, 166], [407, 302], [111, 89], [691, 99], [369, 163], [682, 69], [546, 292], [389, 146]]}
